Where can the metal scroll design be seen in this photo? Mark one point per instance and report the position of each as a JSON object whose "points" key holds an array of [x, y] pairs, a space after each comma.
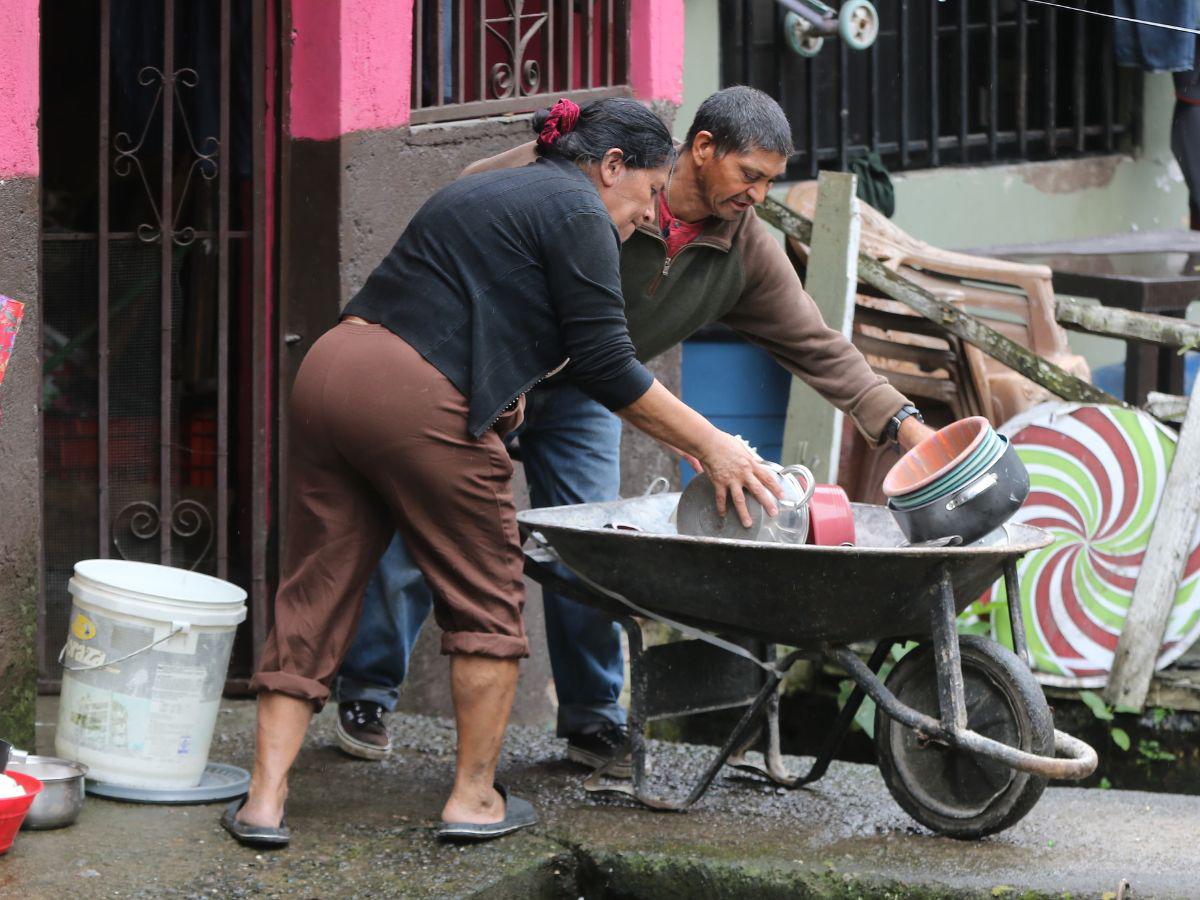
{"points": [[516, 77], [204, 155], [141, 522]]}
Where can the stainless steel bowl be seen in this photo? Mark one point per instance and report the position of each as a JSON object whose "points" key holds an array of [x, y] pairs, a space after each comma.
{"points": [[61, 799]]}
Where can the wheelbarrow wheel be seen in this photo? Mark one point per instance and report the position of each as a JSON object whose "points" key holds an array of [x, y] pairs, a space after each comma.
{"points": [[858, 24], [950, 791], [800, 37]]}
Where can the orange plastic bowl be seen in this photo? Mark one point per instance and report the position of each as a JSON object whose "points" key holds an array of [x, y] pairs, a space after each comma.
{"points": [[13, 809], [935, 456]]}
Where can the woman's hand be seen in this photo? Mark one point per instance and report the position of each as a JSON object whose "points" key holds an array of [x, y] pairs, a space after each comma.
{"points": [[727, 460], [686, 457], [734, 469]]}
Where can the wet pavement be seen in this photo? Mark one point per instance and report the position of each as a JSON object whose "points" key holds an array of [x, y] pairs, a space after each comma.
{"points": [[364, 829]]}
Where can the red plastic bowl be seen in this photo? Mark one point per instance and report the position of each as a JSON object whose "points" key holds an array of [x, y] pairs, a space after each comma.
{"points": [[13, 809], [935, 456], [830, 517]]}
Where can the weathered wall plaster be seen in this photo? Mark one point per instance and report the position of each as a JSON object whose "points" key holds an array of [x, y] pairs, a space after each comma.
{"points": [[20, 469], [20, 426]]}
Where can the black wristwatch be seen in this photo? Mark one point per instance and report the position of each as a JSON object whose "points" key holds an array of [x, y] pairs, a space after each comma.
{"points": [[893, 425]]}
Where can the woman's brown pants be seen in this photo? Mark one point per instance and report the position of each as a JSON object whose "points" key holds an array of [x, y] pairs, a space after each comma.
{"points": [[378, 442]]}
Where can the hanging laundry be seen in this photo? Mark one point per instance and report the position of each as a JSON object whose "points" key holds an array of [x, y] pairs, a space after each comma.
{"points": [[1156, 49]]}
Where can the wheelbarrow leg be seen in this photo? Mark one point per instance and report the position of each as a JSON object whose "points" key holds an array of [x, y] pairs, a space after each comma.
{"points": [[1016, 618], [736, 739], [636, 728], [774, 768], [844, 720], [951, 699]]}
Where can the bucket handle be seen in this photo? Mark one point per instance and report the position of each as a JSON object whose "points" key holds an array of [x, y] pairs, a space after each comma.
{"points": [[176, 628]]}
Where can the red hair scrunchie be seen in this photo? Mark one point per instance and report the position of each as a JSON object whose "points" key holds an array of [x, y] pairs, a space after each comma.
{"points": [[563, 116]]}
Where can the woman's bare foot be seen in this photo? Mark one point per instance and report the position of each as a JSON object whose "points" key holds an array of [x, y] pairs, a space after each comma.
{"points": [[480, 807], [263, 808]]}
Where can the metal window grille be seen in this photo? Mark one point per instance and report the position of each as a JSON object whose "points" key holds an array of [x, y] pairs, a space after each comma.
{"points": [[490, 57], [972, 82]]}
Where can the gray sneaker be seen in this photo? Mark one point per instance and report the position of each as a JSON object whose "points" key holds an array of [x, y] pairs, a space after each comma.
{"points": [[360, 730], [595, 748]]}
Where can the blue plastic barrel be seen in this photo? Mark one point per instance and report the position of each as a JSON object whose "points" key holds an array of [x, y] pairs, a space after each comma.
{"points": [[739, 388]]}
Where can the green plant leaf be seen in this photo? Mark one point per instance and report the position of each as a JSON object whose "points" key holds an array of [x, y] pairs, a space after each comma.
{"points": [[1129, 710], [1105, 784], [1096, 704], [1120, 738], [865, 717], [1153, 750]]}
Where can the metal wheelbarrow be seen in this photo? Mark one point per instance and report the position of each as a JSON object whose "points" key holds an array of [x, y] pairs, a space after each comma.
{"points": [[965, 739]]}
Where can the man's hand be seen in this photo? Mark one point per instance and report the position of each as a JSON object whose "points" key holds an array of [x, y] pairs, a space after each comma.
{"points": [[912, 432]]}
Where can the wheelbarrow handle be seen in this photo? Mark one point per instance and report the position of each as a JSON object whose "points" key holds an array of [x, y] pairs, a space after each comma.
{"points": [[1078, 759]]}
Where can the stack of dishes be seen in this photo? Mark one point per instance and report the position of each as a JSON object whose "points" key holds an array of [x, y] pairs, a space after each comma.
{"points": [[963, 480]]}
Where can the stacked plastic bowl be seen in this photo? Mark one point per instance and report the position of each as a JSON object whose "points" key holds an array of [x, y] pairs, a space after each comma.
{"points": [[964, 480]]}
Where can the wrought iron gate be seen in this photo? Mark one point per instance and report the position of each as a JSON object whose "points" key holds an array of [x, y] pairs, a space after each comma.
{"points": [[154, 293]]}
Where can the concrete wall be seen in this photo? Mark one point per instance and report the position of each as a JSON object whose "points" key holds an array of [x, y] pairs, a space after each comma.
{"points": [[356, 174], [20, 487], [976, 206], [701, 66]]}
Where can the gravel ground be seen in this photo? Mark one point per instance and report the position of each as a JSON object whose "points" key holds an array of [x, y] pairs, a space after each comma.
{"points": [[365, 830]]}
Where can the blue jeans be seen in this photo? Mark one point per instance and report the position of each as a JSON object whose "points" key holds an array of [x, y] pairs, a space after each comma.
{"points": [[571, 450]]}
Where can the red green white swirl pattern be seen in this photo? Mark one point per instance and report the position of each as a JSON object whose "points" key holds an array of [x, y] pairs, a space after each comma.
{"points": [[1097, 475]]}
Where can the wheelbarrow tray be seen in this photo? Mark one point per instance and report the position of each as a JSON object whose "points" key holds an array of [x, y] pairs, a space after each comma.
{"points": [[802, 596]]}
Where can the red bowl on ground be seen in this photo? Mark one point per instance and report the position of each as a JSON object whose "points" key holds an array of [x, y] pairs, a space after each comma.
{"points": [[13, 809], [935, 456], [830, 517]]}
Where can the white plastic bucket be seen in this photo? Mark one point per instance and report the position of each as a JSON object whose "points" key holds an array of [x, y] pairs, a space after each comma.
{"points": [[143, 669]]}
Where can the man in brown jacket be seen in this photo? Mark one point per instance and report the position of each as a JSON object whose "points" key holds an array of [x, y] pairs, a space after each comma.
{"points": [[706, 258]]}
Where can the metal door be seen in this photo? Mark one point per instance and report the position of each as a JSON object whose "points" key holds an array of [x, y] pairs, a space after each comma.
{"points": [[155, 130]]}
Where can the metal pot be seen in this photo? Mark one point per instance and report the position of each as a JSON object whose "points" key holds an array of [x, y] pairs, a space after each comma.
{"points": [[61, 799], [697, 516], [974, 510]]}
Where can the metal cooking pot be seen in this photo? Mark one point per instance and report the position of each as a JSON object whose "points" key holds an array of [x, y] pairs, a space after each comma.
{"points": [[975, 510], [697, 516], [61, 799]]}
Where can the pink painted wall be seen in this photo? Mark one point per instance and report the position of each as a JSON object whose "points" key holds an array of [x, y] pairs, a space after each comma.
{"points": [[352, 62], [656, 49], [19, 85], [351, 66]]}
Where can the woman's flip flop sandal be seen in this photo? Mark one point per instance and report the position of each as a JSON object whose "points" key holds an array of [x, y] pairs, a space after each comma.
{"points": [[518, 814], [261, 836]]}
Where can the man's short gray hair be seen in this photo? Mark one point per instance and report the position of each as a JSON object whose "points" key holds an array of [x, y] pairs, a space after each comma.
{"points": [[742, 119]]}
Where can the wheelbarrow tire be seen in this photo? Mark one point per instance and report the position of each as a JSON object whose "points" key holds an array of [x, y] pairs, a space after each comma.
{"points": [[950, 791]]}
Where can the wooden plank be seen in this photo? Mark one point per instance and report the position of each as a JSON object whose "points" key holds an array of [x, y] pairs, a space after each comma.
{"points": [[965, 326], [1166, 407], [1158, 580], [812, 431], [1125, 324]]}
